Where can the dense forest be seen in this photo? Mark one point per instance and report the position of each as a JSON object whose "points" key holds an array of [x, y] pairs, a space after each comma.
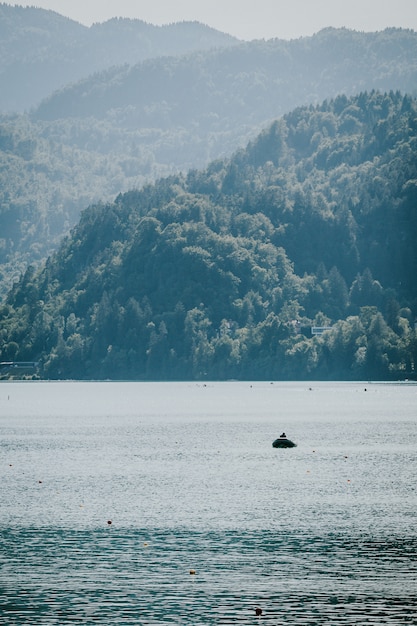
{"points": [[223, 272], [119, 129], [41, 51]]}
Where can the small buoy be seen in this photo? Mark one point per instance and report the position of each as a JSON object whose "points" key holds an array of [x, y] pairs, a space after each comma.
{"points": [[109, 522], [40, 482], [258, 611], [192, 571]]}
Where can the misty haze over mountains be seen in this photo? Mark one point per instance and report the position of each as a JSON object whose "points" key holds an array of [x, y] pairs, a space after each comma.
{"points": [[120, 128], [126, 103], [41, 51]]}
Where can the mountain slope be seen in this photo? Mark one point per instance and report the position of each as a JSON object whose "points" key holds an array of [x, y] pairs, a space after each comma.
{"points": [[221, 273], [252, 82], [41, 51], [141, 123]]}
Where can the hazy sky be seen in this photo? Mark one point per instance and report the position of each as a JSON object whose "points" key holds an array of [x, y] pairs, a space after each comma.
{"points": [[247, 19]]}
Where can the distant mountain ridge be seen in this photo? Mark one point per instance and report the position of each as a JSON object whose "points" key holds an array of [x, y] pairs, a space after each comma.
{"points": [[254, 82], [41, 50]]}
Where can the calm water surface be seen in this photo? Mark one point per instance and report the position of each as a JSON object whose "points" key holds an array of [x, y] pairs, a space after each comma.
{"points": [[324, 533]]}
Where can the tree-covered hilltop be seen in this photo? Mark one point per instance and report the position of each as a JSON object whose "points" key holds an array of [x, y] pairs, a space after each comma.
{"points": [[41, 51], [253, 81], [222, 273], [133, 125]]}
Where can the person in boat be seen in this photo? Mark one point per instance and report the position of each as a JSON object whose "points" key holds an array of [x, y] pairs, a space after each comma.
{"points": [[283, 436]]}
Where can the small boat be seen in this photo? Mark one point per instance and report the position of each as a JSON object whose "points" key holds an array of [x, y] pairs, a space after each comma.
{"points": [[283, 442]]}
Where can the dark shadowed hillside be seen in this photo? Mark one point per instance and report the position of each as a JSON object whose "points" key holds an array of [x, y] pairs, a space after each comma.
{"points": [[222, 273]]}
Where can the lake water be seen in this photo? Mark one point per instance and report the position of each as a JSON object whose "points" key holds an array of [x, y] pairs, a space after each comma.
{"points": [[324, 533]]}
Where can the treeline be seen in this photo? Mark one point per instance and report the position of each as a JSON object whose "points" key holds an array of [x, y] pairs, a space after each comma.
{"points": [[119, 129], [221, 273]]}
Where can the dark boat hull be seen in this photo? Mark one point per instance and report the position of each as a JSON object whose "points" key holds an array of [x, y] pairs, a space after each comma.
{"points": [[282, 442]]}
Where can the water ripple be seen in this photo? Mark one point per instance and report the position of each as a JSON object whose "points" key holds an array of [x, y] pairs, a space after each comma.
{"points": [[140, 576]]}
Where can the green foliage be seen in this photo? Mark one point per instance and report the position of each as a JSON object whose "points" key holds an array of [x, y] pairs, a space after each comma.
{"points": [[222, 273], [160, 110]]}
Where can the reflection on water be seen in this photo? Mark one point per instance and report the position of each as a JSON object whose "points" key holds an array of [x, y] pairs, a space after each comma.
{"points": [[130, 576]]}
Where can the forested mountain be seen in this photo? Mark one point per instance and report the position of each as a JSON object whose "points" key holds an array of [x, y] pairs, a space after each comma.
{"points": [[41, 51], [252, 82], [118, 129], [221, 273]]}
